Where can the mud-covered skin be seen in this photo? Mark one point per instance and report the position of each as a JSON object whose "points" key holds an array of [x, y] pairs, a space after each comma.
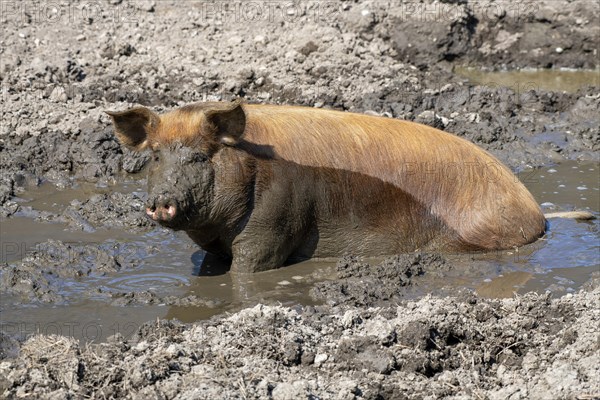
{"points": [[215, 205], [181, 177], [209, 210]]}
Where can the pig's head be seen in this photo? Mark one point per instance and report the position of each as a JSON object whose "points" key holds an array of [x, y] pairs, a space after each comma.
{"points": [[184, 142]]}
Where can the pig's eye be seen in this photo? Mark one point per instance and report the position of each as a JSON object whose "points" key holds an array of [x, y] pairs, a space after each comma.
{"points": [[200, 157], [156, 156]]}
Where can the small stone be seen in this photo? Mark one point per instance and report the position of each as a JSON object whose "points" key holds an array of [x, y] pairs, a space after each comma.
{"points": [[145, 5], [559, 50], [320, 359], [142, 346], [246, 73], [80, 38], [235, 40], [309, 47], [261, 39], [58, 95]]}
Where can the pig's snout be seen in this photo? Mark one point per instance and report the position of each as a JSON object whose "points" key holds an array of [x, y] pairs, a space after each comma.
{"points": [[162, 209]]}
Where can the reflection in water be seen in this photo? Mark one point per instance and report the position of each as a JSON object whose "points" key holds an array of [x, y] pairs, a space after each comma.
{"points": [[206, 264]]}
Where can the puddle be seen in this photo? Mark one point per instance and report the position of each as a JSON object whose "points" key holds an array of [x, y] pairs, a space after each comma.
{"points": [[169, 264], [504, 285], [539, 79]]}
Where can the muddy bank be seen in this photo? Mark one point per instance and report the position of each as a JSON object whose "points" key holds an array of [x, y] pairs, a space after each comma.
{"points": [[359, 284], [100, 210], [367, 339], [499, 34], [527, 347]]}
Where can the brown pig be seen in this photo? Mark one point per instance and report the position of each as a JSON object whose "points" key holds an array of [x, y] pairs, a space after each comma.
{"points": [[265, 184]]}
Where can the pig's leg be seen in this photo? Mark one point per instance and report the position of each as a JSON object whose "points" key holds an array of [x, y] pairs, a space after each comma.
{"points": [[260, 252], [278, 223], [269, 238]]}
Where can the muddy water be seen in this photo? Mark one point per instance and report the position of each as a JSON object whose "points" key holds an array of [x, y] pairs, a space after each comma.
{"points": [[538, 79], [171, 265]]}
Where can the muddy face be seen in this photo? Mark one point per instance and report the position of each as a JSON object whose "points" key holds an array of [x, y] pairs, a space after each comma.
{"points": [[180, 182], [184, 143]]}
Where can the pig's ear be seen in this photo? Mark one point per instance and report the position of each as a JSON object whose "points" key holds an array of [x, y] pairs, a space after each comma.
{"points": [[133, 127], [227, 122]]}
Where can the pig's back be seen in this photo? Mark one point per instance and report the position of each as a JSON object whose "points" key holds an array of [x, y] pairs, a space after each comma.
{"points": [[468, 189]]}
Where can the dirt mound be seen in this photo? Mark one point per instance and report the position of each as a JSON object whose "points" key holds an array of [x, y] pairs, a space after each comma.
{"points": [[543, 34], [527, 347], [49, 273]]}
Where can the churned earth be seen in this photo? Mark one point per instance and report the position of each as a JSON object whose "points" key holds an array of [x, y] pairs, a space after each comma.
{"points": [[455, 347], [363, 329]]}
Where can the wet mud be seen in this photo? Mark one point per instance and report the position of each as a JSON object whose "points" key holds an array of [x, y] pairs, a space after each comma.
{"points": [[96, 301]]}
